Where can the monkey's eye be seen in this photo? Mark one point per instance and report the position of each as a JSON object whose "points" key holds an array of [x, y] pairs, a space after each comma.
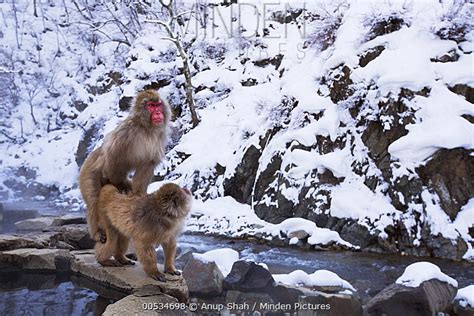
{"points": [[154, 103]]}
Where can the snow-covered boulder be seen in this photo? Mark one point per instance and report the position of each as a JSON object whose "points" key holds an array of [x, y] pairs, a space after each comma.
{"points": [[421, 290], [322, 280], [464, 301]]}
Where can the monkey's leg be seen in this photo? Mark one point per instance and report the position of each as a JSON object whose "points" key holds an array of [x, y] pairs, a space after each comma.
{"points": [[121, 250], [147, 256], [103, 252], [142, 178], [169, 249]]}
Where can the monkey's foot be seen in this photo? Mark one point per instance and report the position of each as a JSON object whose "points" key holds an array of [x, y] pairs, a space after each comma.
{"points": [[172, 271], [125, 261], [159, 277], [132, 256], [110, 263]]}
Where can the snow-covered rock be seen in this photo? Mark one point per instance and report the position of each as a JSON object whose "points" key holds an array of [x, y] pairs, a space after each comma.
{"points": [[421, 290], [419, 272], [319, 278]]}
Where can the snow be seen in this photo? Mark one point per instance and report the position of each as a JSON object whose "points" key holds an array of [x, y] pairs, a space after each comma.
{"points": [[465, 296], [317, 235], [317, 278], [347, 202], [228, 217], [419, 272], [224, 258]]}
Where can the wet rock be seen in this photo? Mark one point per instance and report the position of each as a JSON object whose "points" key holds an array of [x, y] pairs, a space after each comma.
{"points": [[12, 242], [429, 298], [247, 276], [203, 278], [143, 305], [128, 278], [36, 259], [75, 235], [450, 173], [35, 223]]}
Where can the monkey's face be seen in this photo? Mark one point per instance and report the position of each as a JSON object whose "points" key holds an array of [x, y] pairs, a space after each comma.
{"points": [[156, 110]]}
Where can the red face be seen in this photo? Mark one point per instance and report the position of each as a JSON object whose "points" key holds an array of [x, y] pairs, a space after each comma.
{"points": [[156, 110]]}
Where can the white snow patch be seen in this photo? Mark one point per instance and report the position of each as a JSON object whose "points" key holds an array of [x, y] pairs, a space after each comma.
{"points": [[224, 258], [419, 272], [465, 296], [318, 278]]}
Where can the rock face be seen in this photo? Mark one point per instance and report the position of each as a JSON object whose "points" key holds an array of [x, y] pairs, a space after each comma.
{"points": [[36, 259], [126, 278], [450, 173], [203, 278], [429, 298]]}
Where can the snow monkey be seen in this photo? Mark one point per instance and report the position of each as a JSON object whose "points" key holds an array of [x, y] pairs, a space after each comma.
{"points": [[156, 218], [137, 144]]}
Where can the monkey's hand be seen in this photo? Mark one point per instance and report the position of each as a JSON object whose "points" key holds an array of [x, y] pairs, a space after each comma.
{"points": [[125, 187], [159, 277], [172, 271], [100, 236]]}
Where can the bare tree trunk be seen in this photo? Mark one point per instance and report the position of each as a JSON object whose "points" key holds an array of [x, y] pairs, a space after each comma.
{"points": [[188, 84], [35, 13], [176, 39]]}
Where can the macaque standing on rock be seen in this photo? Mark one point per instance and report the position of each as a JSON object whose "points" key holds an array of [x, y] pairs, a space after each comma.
{"points": [[156, 218], [137, 144]]}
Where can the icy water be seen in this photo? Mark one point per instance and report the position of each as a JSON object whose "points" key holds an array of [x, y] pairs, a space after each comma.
{"points": [[36, 294]]}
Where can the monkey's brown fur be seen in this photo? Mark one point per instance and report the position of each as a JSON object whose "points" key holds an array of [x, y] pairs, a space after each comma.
{"points": [[149, 220], [135, 145]]}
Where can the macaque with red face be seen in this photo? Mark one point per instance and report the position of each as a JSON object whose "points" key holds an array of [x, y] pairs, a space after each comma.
{"points": [[135, 145]]}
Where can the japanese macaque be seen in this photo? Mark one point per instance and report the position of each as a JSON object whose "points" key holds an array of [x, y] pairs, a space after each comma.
{"points": [[156, 218], [137, 144]]}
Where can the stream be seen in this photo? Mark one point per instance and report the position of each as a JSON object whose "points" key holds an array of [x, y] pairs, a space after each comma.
{"points": [[368, 273]]}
